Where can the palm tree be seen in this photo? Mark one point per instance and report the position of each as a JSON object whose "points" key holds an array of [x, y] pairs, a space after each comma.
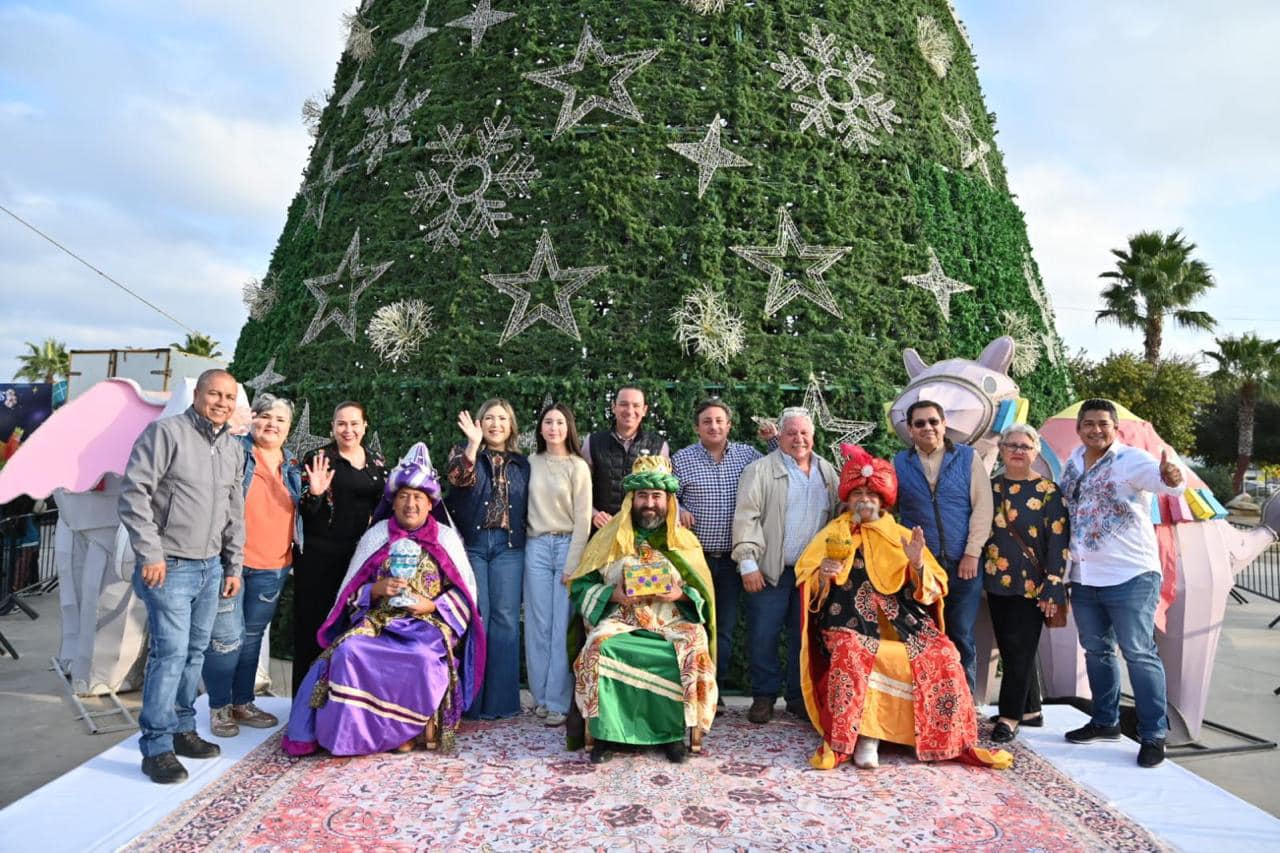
{"points": [[1249, 366], [1154, 279], [44, 362], [198, 344]]}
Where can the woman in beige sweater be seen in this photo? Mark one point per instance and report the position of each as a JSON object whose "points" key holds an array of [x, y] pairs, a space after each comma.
{"points": [[559, 522]]}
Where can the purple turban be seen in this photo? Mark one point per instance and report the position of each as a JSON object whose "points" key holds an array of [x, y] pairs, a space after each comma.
{"points": [[415, 471]]}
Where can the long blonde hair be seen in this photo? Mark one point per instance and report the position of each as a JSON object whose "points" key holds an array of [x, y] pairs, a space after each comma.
{"points": [[512, 444]]}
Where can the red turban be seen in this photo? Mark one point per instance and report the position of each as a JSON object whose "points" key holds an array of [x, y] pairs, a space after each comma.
{"points": [[862, 470]]}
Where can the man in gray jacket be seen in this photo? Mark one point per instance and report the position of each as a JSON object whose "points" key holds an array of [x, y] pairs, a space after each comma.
{"points": [[183, 507], [784, 499]]}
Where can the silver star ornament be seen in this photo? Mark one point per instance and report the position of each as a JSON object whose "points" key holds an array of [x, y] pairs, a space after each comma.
{"points": [[409, 39], [515, 286], [265, 379], [709, 155], [357, 278], [479, 22], [938, 283], [781, 290]]}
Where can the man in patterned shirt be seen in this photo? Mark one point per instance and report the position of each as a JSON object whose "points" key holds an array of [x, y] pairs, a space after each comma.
{"points": [[1115, 574], [708, 472]]}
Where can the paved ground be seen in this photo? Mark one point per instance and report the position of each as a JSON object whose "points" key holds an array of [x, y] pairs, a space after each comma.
{"points": [[40, 739]]}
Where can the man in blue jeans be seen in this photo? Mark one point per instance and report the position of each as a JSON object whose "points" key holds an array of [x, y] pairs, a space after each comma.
{"points": [[1115, 574], [182, 505]]}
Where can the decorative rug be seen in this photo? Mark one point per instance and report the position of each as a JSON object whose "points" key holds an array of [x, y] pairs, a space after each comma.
{"points": [[512, 786]]}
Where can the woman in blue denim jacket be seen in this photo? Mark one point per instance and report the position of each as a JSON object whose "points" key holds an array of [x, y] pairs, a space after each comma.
{"points": [[272, 486]]}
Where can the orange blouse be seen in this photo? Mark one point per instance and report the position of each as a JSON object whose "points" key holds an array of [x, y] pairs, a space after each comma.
{"points": [[268, 519]]}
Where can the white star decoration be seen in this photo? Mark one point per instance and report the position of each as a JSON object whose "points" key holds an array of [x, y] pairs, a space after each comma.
{"points": [[709, 155], [847, 431], [265, 379], [301, 441], [781, 290], [544, 259], [328, 177], [974, 151], [359, 278], [619, 103], [410, 37], [479, 22], [936, 282], [350, 95]]}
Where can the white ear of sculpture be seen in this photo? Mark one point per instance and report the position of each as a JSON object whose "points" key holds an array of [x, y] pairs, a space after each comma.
{"points": [[998, 355], [914, 363]]}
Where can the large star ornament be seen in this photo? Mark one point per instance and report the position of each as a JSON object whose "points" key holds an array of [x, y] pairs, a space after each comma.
{"points": [[319, 188], [515, 285], [847, 431], [620, 103], [781, 290], [358, 278], [936, 282], [709, 155], [409, 39], [265, 379], [479, 22]]}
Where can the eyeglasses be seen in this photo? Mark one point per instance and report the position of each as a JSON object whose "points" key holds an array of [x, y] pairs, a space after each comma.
{"points": [[1018, 448], [921, 423]]}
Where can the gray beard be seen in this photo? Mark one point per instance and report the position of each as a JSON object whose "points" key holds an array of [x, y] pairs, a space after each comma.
{"points": [[647, 522], [866, 505]]}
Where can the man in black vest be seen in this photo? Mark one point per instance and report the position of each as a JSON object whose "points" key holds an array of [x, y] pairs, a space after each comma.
{"points": [[611, 453]]}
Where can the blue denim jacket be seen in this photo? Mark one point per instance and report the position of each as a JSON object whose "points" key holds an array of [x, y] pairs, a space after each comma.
{"points": [[290, 472]]}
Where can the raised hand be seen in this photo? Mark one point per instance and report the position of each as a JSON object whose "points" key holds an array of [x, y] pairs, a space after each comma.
{"points": [[319, 474], [914, 547], [1170, 474], [470, 428]]}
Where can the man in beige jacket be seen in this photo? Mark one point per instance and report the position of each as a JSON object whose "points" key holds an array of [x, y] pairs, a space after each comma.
{"points": [[783, 501]]}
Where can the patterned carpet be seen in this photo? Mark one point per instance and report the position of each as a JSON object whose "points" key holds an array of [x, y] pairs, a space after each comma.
{"points": [[511, 786]]}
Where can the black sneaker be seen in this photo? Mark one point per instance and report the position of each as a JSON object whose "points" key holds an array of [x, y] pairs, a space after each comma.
{"points": [[676, 752], [164, 769], [191, 745], [761, 710], [1151, 753], [1089, 733], [600, 753]]}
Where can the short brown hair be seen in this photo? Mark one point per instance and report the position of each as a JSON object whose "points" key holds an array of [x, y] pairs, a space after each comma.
{"points": [[350, 404], [712, 403]]}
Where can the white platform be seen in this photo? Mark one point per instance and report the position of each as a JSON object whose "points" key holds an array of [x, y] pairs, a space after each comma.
{"points": [[106, 802]]}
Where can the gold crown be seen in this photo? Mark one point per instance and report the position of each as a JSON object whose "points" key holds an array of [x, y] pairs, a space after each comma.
{"points": [[647, 463]]}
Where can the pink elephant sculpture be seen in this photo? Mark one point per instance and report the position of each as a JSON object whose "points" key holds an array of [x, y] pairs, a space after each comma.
{"points": [[1200, 557]]}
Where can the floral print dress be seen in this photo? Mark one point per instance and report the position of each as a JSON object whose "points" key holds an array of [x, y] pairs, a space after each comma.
{"points": [[1036, 510]]}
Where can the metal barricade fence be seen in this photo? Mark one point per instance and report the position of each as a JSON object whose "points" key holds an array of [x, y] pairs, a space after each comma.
{"points": [[1262, 576], [26, 553]]}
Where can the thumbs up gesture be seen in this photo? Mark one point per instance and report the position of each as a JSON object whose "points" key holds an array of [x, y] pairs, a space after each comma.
{"points": [[1170, 474]]}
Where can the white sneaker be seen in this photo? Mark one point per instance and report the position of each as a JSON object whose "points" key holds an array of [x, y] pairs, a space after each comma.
{"points": [[540, 711], [554, 719], [866, 753]]}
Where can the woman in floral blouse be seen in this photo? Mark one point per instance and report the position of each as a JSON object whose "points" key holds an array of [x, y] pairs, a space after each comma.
{"points": [[1025, 573]]}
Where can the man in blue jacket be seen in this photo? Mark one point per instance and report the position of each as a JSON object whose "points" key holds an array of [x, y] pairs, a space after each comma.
{"points": [[943, 488]]}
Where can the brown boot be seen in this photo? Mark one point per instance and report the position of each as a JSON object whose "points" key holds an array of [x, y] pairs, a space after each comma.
{"points": [[761, 710], [254, 717], [222, 722]]}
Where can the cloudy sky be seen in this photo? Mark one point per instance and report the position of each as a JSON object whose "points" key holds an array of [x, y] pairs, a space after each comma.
{"points": [[162, 142]]}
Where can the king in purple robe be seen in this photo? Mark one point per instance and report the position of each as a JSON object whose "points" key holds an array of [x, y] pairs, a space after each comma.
{"points": [[403, 652]]}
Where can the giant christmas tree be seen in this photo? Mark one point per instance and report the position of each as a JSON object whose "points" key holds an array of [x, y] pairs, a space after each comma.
{"points": [[524, 198]]}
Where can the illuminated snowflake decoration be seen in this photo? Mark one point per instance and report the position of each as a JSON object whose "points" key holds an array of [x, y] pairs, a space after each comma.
{"points": [[1052, 345], [387, 126], [1026, 341], [259, 296], [973, 151], [705, 325], [939, 284], [853, 116], [396, 331], [512, 178], [935, 45]]}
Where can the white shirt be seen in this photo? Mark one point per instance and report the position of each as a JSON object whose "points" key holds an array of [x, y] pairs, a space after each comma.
{"points": [[1112, 537]]}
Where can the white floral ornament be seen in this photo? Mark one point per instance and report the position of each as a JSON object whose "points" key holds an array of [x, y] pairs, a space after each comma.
{"points": [[853, 119], [709, 155], [358, 278], [937, 283], [479, 22], [320, 187], [561, 317], [387, 125], [265, 379], [782, 290], [847, 431], [973, 151], [707, 326], [396, 331], [866, 470], [301, 441], [259, 296], [512, 178], [409, 39], [620, 102], [1026, 341], [935, 45]]}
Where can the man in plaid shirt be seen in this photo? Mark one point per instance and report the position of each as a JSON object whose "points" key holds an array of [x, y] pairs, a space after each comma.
{"points": [[709, 472]]}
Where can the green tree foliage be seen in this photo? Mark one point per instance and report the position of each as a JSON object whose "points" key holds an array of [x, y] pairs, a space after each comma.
{"points": [[1154, 279], [1250, 366], [1218, 431], [199, 344], [611, 192], [1170, 393], [44, 362]]}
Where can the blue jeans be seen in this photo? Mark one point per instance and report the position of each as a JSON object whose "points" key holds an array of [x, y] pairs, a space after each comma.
{"points": [[499, 570], [960, 613], [231, 661], [546, 621], [769, 611], [728, 590], [1123, 614], [180, 614]]}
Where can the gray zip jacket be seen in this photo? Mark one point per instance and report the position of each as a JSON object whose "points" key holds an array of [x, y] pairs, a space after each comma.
{"points": [[182, 496]]}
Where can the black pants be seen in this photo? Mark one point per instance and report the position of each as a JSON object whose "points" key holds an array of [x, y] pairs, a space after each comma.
{"points": [[1017, 622], [317, 574]]}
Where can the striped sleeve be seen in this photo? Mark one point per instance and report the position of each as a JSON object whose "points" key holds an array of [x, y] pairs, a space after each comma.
{"points": [[595, 601], [452, 607]]}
